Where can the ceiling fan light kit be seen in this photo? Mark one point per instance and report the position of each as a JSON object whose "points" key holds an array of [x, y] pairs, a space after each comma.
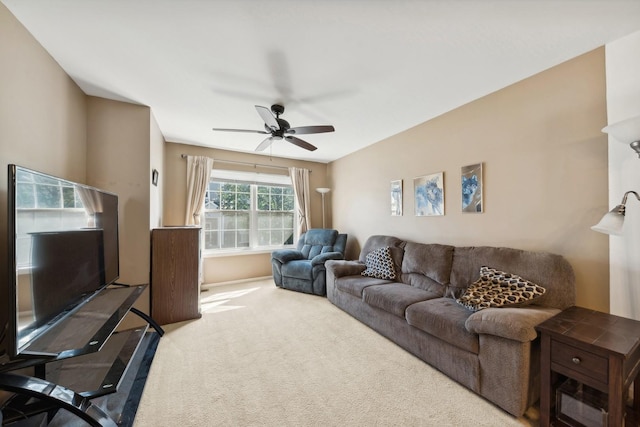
{"points": [[280, 129]]}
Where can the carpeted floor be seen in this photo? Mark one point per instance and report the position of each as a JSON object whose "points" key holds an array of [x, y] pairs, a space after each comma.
{"points": [[263, 356]]}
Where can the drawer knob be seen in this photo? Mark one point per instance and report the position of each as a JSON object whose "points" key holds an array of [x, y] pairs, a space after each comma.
{"points": [[576, 360]]}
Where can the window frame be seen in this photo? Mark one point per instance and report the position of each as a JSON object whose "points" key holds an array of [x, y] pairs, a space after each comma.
{"points": [[39, 202], [254, 179]]}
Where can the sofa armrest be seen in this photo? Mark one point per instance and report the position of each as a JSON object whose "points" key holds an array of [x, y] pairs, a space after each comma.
{"points": [[286, 255], [322, 258], [512, 323], [340, 268]]}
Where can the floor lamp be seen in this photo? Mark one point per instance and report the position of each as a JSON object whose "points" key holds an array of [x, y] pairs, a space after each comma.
{"points": [[322, 192]]}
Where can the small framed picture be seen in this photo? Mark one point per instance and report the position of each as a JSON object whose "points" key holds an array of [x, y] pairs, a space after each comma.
{"points": [[429, 194], [471, 188], [396, 197], [154, 177]]}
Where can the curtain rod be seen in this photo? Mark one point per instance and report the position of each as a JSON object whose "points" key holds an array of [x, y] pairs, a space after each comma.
{"points": [[235, 162]]}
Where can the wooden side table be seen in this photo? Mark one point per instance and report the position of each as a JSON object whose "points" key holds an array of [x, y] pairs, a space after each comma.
{"points": [[597, 349]]}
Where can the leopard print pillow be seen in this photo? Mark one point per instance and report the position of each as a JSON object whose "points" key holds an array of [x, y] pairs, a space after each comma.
{"points": [[380, 264], [496, 288]]}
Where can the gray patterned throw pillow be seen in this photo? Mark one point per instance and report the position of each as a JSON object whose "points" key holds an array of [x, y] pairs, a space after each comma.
{"points": [[380, 264]]}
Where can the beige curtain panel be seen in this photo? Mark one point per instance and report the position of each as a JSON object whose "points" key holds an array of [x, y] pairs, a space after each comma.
{"points": [[92, 202], [300, 181], [198, 173]]}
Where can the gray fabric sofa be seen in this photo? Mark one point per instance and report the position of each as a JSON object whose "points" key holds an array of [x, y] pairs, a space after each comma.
{"points": [[495, 351]]}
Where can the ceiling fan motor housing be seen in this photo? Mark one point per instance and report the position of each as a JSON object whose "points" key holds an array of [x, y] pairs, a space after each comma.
{"points": [[277, 109], [284, 127]]}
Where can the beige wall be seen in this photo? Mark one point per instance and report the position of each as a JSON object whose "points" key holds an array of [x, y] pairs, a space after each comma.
{"points": [[545, 174], [47, 123], [156, 161], [235, 267], [119, 141], [118, 161], [42, 114], [42, 111]]}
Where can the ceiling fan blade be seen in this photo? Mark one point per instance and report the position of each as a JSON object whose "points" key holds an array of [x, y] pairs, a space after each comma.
{"points": [[300, 143], [268, 117], [311, 129], [240, 130], [265, 144]]}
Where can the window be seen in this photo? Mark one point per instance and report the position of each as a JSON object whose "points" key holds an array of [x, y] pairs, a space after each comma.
{"points": [[41, 192], [248, 211], [44, 200]]}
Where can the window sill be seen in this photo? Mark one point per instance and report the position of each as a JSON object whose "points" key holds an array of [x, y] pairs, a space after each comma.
{"points": [[241, 252]]}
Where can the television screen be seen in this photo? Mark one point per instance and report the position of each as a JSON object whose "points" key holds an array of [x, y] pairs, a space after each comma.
{"points": [[63, 248]]}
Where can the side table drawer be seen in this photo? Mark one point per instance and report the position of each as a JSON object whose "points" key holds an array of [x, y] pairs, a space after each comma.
{"points": [[589, 364]]}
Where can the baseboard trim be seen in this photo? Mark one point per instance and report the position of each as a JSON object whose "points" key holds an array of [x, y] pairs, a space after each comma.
{"points": [[235, 282]]}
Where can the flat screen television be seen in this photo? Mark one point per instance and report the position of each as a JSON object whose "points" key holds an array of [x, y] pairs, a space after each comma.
{"points": [[62, 250]]}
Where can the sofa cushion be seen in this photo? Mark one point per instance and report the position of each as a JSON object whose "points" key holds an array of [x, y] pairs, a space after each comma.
{"points": [[443, 318], [380, 264], [394, 298], [497, 288], [396, 249], [427, 266], [355, 284]]}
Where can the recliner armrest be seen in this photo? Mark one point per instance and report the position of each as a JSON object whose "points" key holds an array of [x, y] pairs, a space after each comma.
{"points": [[321, 258], [286, 255]]}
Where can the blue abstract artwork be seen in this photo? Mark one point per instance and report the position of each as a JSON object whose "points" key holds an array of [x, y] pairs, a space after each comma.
{"points": [[471, 181], [429, 194]]}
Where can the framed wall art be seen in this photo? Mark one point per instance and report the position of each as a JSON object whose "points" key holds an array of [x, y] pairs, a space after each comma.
{"points": [[396, 197], [154, 177], [429, 194], [471, 188]]}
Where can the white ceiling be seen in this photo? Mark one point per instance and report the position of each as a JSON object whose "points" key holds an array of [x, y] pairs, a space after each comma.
{"points": [[371, 68]]}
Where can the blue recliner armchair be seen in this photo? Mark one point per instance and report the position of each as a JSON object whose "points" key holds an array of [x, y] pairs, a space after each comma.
{"points": [[302, 269]]}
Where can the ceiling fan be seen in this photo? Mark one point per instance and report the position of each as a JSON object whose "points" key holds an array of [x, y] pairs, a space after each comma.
{"points": [[280, 129]]}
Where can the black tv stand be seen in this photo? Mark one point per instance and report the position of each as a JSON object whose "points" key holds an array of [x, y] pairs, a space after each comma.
{"points": [[80, 359]]}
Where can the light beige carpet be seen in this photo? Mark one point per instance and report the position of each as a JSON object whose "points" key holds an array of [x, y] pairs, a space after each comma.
{"points": [[263, 356]]}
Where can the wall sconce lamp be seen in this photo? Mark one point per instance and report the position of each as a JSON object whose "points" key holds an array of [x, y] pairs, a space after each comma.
{"points": [[323, 191], [612, 222], [626, 131]]}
